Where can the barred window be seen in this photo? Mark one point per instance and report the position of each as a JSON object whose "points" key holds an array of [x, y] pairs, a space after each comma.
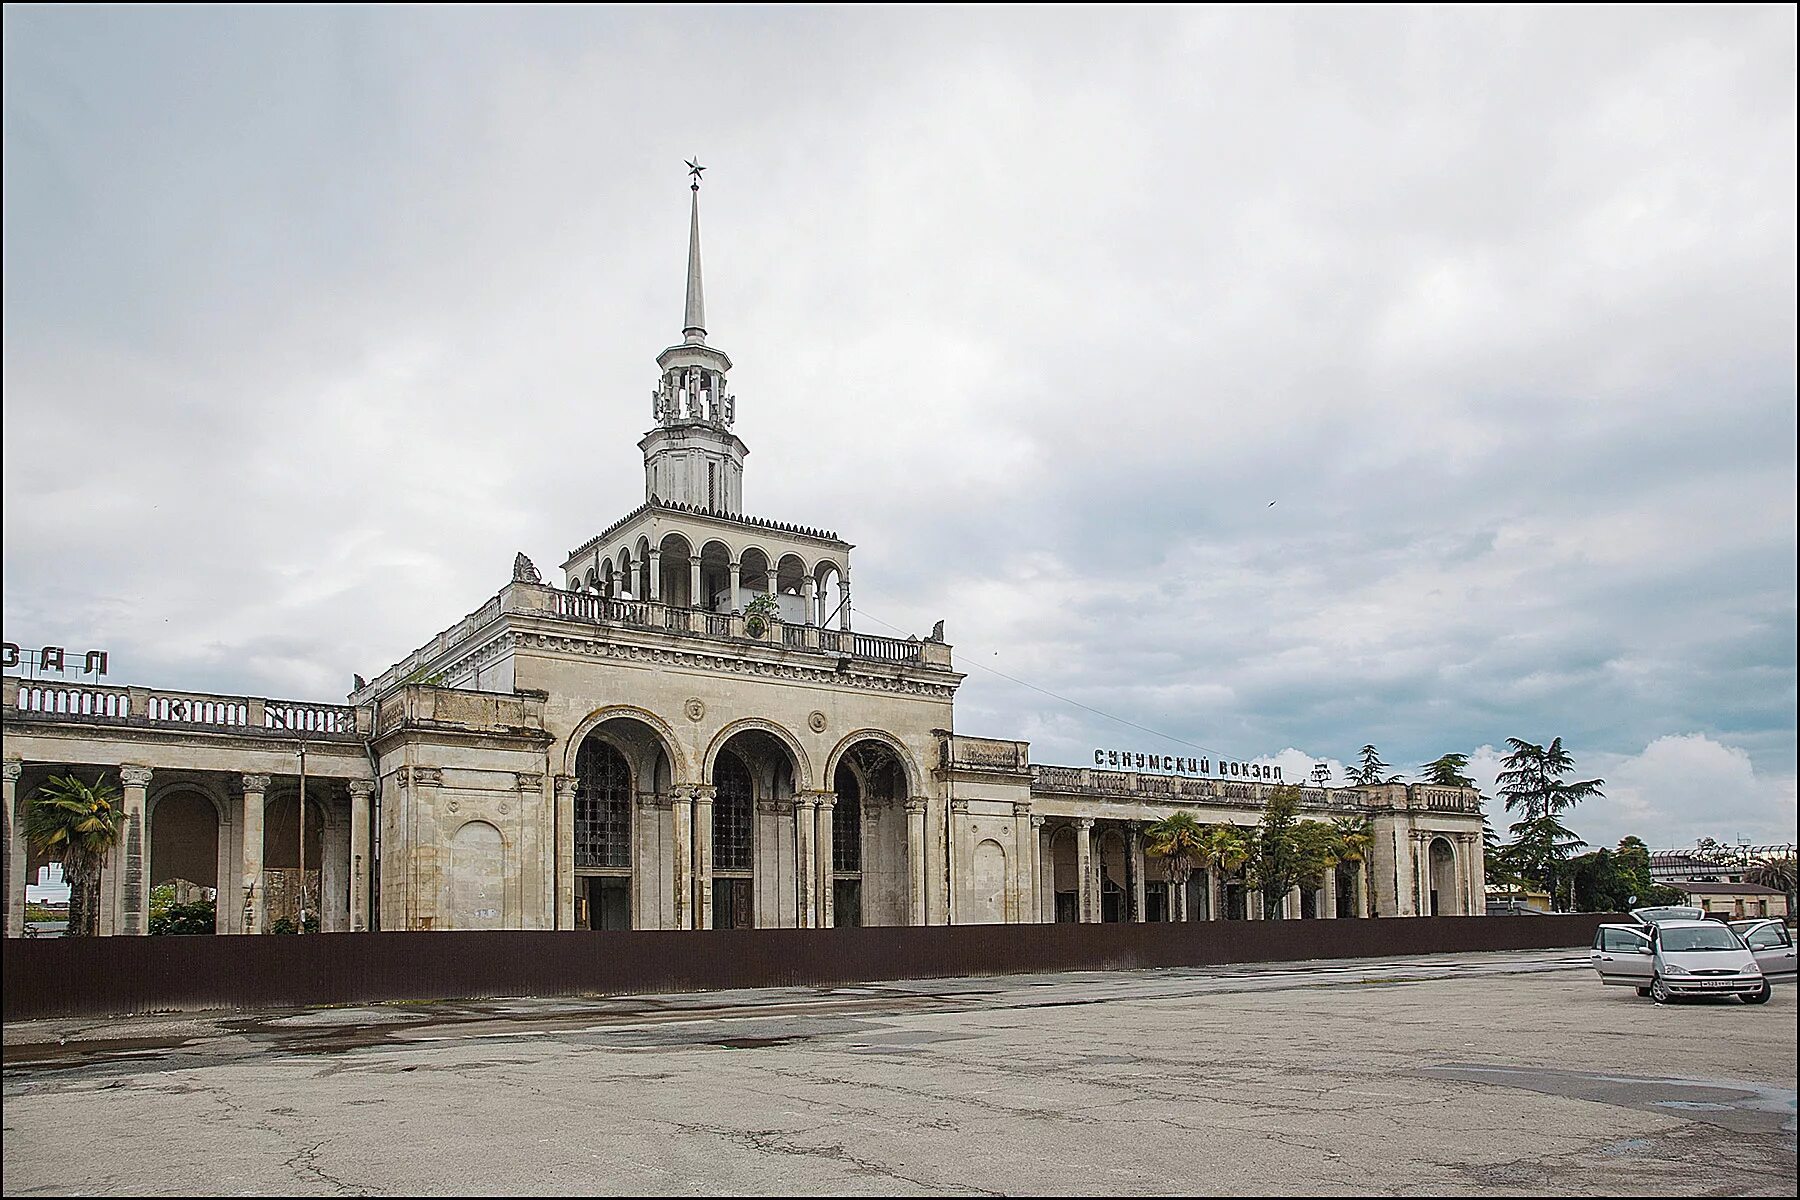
{"points": [[846, 833], [732, 807], [602, 806]]}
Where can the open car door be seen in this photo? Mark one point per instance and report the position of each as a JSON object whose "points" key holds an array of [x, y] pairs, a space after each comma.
{"points": [[1773, 947], [1621, 955]]}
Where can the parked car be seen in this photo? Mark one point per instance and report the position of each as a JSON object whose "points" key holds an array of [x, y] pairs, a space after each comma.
{"points": [[1772, 944], [1673, 958], [1672, 912]]}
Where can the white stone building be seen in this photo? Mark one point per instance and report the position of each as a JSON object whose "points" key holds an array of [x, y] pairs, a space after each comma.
{"points": [[686, 733]]}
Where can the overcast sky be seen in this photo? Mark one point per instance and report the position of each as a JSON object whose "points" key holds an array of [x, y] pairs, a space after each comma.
{"points": [[1279, 381]]}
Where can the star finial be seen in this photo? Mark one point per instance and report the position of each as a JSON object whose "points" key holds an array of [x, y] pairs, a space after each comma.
{"points": [[694, 169]]}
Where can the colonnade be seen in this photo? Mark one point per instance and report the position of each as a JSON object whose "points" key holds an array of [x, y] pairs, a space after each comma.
{"points": [[241, 878]]}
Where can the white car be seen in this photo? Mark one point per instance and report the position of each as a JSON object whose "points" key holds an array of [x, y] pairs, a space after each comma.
{"points": [[1773, 945], [1678, 958]]}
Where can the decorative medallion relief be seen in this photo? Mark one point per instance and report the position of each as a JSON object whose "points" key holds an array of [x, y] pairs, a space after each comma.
{"points": [[695, 708], [817, 722]]}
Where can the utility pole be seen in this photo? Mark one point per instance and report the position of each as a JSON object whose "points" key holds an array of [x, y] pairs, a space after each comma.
{"points": [[300, 922]]}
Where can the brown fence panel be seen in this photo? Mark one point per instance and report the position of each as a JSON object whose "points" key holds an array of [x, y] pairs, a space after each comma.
{"points": [[107, 976]]}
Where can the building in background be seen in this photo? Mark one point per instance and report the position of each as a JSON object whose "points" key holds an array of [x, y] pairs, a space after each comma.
{"points": [[686, 732]]}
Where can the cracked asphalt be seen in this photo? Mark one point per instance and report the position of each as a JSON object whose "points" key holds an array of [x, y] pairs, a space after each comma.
{"points": [[1453, 1074]]}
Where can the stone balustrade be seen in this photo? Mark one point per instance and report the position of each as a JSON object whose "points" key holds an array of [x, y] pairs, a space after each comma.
{"points": [[1153, 788], [82, 703], [653, 616]]}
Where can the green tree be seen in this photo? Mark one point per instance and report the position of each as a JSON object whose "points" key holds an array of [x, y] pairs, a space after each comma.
{"points": [[194, 917], [1355, 843], [1275, 862], [1776, 871], [1447, 771], [78, 824], [1180, 841], [1370, 770], [1533, 785]]}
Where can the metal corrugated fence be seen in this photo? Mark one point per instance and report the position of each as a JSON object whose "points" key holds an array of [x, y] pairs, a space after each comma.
{"points": [[107, 976]]}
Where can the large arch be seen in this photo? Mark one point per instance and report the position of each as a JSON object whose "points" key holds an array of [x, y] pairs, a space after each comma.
{"points": [[803, 776], [665, 734], [186, 829], [285, 886], [755, 771], [715, 578], [870, 775], [677, 579], [915, 785], [1111, 851], [987, 885], [1443, 896]]}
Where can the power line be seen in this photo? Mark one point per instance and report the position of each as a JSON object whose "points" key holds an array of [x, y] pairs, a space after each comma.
{"points": [[1056, 695]]}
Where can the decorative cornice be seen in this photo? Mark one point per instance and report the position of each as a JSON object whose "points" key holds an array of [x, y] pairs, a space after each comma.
{"points": [[727, 663], [674, 508]]}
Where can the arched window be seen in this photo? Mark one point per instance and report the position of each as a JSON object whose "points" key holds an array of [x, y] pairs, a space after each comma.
{"points": [[602, 806], [732, 806], [846, 832]]}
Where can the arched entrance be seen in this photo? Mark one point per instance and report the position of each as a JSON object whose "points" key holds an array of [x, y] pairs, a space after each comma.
{"points": [[184, 853], [625, 843], [603, 806], [868, 836], [1347, 874], [753, 779], [1442, 858]]}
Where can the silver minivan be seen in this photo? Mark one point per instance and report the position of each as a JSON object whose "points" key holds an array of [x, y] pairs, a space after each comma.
{"points": [[1678, 958]]}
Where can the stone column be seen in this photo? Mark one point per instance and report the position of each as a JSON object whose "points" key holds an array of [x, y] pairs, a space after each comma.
{"points": [[656, 575], [17, 852], [1253, 902], [1043, 894], [809, 588], [613, 577], [134, 861], [1087, 904], [1472, 868], [1362, 888], [1134, 863], [1420, 864], [1331, 911], [737, 581], [1291, 904], [806, 869], [844, 608], [681, 853], [917, 885], [1024, 880], [827, 868], [250, 896], [362, 792], [704, 795], [565, 786], [695, 599]]}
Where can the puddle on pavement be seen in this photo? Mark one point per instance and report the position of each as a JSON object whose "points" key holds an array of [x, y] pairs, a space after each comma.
{"points": [[1739, 1106], [88, 1050]]}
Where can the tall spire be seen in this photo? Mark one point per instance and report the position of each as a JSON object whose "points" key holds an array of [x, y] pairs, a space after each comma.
{"points": [[694, 322]]}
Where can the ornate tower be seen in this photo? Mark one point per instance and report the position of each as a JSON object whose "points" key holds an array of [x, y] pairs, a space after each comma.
{"points": [[691, 457]]}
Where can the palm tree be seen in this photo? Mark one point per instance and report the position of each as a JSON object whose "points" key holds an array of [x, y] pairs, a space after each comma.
{"points": [[79, 824], [1355, 842], [1179, 841], [1775, 871], [1224, 849]]}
